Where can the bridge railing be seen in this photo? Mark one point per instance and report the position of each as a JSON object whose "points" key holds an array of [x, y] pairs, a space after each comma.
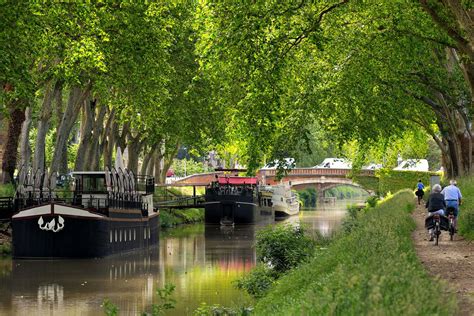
{"points": [[316, 172]]}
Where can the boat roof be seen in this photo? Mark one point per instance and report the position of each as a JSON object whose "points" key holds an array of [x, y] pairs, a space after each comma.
{"points": [[237, 180]]}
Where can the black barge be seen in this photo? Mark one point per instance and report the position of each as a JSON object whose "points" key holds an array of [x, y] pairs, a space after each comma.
{"points": [[106, 212]]}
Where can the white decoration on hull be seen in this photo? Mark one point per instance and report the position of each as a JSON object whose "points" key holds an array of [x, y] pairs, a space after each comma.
{"points": [[51, 225]]}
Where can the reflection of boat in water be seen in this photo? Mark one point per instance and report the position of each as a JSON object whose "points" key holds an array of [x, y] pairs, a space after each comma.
{"points": [[233, 200], [107, 212], [284, 202], [50, 287]]}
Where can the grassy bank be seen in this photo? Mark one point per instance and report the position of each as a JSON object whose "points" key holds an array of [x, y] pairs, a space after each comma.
{"points": [[171, 218], [369, 269], [466, 217]]}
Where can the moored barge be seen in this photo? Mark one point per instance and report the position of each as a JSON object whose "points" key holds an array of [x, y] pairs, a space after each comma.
{"points": [[107, 212]]}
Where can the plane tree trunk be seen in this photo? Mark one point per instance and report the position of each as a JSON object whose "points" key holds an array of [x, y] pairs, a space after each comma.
{"points": [[25, 149], [77, 97], [16, 118]]}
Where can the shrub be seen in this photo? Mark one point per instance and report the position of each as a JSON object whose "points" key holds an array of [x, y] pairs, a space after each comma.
{"points": [[258, 281], [283, 247]]}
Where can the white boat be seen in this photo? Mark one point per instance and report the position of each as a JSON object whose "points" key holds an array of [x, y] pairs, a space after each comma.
{"points": [[284, 201]]}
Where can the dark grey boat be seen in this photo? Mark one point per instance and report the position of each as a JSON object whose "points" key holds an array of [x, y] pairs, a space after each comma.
{"points": [[107, 212]]}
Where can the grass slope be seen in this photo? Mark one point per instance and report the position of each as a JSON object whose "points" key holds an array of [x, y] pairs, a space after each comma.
{"points": [[372, 269], [466, 217]]}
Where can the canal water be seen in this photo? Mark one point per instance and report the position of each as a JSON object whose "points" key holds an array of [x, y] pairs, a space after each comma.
{"points": [[201, 261]]}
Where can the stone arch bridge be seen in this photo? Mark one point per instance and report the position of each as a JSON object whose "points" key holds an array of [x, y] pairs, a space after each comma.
{"points": [[298, 178]]}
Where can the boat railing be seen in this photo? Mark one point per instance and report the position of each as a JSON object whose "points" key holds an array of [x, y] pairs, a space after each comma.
{"points": [[93, 204], [145, 184]]}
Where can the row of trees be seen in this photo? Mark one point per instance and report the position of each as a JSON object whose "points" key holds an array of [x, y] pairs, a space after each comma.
{"points": [[116, 74], [365, 71], [251, 79]]}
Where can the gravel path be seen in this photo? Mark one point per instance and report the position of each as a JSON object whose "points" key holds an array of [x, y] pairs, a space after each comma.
{"points": [[457, 254]]}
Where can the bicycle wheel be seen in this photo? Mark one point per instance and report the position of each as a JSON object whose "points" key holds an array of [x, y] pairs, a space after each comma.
{"points": [[451, 230], [437, 233]]}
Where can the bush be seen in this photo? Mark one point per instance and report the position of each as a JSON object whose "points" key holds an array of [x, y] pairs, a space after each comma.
{"points": [[283, 247], [258, 282], [372, 270], [279, 249]]}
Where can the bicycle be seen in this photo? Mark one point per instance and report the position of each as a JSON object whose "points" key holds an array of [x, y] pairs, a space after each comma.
{"points": [[437, 228], [451, 228], [437, 223]]}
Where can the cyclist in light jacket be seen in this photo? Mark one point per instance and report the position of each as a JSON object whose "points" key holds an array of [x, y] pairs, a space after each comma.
{"points": [[453, 196]]}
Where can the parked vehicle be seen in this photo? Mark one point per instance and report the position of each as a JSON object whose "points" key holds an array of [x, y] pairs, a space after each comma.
{"points": [[336, 163], [413, 165], [372, 166]]}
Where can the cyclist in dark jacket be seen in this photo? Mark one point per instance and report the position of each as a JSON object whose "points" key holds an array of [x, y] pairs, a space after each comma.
{"points": [[435, 204]]}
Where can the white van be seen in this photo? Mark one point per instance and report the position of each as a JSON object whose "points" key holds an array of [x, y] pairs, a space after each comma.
{"points": [[335, 163], [413, 165]]}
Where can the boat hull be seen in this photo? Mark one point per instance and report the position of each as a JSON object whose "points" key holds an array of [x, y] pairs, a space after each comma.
{"points": [[60, 231], [231, 212]]}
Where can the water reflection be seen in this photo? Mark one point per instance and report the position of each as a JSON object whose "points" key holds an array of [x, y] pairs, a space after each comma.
{"points": [[201, 260]]}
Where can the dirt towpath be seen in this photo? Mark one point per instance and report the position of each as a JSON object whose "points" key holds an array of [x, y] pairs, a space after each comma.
{"points": [[458, 254]]}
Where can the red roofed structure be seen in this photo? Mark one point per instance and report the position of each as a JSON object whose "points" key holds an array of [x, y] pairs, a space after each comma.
{"points": [[237, 180]]}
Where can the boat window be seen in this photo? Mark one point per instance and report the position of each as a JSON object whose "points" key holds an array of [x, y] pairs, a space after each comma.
{"points": [[129, 234], [120, 235], [93, 183], [144, 233], [111, 237], [134, 234], [149, 232], [115, 235]]}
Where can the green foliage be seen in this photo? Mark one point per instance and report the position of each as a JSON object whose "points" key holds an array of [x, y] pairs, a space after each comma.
{"points": [[109, 308], [394, 180], [186, 167], [372, 201], [259, 281], [373, 269], [174, 217], [279, 249], [5, 249], [346, 192], [7, 190], [167, 301], [283, 247], [308, 197], [368, 183], [466, 216]]}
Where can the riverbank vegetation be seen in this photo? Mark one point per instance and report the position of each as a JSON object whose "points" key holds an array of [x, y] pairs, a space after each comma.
{"points": [[370, 268], [466, 217], [174, 217], [279, 249]]}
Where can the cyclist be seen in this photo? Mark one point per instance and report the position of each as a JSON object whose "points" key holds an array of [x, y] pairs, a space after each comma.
{"points": [[453, 196], [419, 192], [436, 204]]}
